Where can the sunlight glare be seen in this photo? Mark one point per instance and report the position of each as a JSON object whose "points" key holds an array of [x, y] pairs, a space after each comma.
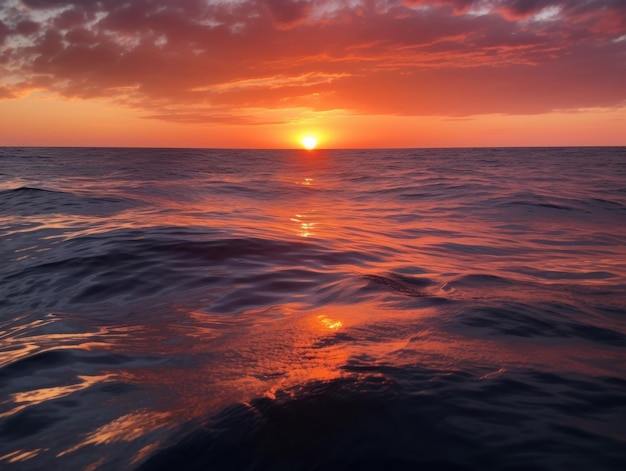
{"points": [[309, 142]]}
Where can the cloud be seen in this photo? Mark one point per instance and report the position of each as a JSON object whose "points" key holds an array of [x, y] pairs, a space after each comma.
{"points": [[288, 13], [215, 60], [459, 6], [5, 93], [56, 3], [524, 9]]}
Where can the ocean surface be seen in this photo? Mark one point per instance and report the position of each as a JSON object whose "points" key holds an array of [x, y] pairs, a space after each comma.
{"points": [[448, 309]]}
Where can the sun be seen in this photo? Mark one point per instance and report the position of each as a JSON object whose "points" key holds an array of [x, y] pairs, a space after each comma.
{"points": [[309, 142]]}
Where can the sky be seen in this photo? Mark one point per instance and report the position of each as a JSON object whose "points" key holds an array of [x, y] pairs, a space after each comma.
{"points": [[352, 73]]}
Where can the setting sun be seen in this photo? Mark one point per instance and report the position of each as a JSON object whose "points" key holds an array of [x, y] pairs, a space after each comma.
{"points": [[309, 142]]}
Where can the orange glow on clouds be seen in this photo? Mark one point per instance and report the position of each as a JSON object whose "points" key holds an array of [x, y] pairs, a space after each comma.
{"points": [[255, 73]]}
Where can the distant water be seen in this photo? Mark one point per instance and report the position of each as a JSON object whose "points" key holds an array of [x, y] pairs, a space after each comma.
{"points": [[285, 310]]}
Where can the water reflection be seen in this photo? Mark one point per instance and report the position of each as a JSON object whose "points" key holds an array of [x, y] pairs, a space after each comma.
{"points": [[190, 296], [329, 323], [127, 428], [21, 455], [38, 396], [24, 336], [305, 227], [303, 219]]}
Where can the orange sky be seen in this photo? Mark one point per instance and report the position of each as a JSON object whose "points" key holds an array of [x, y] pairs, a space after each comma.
{"points": [[354, 73]]}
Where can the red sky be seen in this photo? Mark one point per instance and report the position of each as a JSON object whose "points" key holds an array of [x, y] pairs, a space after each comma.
{"points": [[355, 73]]}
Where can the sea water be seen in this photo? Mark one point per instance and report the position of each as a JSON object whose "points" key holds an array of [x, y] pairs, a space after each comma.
{"points": [[336, 309]]}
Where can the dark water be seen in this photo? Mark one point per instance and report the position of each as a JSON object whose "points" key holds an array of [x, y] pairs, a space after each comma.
{"points": [[284, 310]]}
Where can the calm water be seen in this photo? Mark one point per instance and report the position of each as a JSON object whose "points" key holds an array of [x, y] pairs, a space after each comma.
{"points": [[379, 309]]}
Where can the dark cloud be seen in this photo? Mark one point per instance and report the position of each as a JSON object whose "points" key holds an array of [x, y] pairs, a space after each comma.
{"points": [[57, 3], [195, 60], [288, 13], [524, 8], [457, 5], [4, 32], [570, 10], [27, 27], [74, 17], [517, 9]]}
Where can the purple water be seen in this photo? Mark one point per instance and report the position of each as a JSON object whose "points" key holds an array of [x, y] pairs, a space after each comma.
{"points": [[367, 309]]}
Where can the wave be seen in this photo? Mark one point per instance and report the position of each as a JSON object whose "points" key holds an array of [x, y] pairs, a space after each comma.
{"points": [[541, 320], [389, 418], [375, 309], [124, 266], [59, 359], [33, 201], [552, 205]]}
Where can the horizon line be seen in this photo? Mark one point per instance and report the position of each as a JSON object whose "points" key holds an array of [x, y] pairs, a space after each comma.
{"points": [[312, 150]]}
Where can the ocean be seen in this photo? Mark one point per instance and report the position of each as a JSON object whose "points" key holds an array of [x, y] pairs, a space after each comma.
{"points": [[448, 309]]}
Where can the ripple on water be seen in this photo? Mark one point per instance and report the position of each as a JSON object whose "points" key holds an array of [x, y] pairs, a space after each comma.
{"points": [[396, 418]]}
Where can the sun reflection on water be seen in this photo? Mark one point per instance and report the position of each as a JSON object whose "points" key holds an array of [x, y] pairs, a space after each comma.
{"points": [[21, 455], [123, 429], [329, 323], [38, 396], [305, 228]]}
